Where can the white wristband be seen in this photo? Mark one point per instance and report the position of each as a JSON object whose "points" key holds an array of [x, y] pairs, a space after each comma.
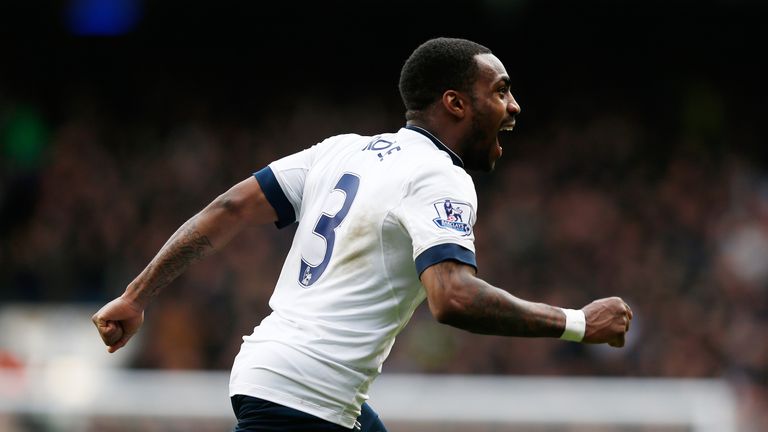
{"points": [[575, 325]]}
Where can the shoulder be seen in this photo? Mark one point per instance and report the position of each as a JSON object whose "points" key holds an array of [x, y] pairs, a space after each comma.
{"points": [[438, 169], [333, 147], [343, 140]]}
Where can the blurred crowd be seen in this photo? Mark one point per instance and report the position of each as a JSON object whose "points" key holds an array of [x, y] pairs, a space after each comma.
{"points": [[675, 222]]}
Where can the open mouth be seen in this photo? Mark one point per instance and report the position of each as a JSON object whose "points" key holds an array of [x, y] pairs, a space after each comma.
{"points": [[507, 127]]}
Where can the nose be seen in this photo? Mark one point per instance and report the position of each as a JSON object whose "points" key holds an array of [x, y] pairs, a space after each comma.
{"points": [[513, 108]]}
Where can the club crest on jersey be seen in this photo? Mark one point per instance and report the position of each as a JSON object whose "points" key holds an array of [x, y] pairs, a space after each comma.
{"points": [[454, 215]]}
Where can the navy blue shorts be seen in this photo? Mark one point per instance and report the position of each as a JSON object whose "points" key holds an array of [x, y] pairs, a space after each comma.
{"points": [[259, 415]]}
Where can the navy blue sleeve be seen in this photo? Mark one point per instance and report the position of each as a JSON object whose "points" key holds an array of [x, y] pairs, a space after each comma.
{"points": [[276, 197], [444, 252]]}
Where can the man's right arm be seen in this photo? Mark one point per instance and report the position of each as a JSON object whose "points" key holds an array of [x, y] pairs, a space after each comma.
{"points": [[459, 298], [209, 230]]}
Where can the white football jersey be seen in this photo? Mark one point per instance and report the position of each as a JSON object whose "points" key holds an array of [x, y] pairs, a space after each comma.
{"points": [[373, 213]]}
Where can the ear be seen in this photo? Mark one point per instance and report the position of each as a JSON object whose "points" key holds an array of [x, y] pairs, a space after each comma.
{"points": [[455, 103]]}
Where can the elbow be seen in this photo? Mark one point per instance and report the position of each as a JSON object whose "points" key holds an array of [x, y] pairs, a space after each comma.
{"points": [[452, 293], [230, 204], [452, 307], [450, 312], [226, 210], [243, 204]]}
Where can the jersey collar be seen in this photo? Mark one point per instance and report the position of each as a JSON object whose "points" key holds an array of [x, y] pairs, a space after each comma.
{"points": [[454, 157]]}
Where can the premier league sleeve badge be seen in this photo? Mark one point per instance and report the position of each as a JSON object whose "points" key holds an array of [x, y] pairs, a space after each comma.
{"points": [[454, 215]]}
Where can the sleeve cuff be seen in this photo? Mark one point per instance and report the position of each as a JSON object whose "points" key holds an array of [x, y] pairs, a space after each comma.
{"points": [[444, 252], [276, 197]]}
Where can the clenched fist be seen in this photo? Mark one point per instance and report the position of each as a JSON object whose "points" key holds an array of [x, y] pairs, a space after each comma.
{"points": [[607, 321], [117, 321]]}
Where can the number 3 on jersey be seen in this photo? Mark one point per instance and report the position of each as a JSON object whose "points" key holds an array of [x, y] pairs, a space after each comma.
{"points": [[326, 228]]}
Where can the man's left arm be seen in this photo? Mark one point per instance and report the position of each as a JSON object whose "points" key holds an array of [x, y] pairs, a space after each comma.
{"points": [[459, 298]]}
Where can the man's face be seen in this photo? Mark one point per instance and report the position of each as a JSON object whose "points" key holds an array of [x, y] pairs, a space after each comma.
{"points": [[492, 109]]}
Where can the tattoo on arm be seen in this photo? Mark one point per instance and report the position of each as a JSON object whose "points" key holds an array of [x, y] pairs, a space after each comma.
{"points": [[184, 247], [490, 310], [508, 315]]}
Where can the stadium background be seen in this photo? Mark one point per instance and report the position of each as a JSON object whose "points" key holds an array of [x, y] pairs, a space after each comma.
{"points": [[638, 167]]}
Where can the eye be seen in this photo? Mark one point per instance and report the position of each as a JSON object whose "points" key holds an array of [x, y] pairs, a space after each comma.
{"points": [[503, 90]]}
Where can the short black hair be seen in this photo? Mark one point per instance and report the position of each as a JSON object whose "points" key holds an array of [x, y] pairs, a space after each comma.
{"points": [[438, 65]]}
